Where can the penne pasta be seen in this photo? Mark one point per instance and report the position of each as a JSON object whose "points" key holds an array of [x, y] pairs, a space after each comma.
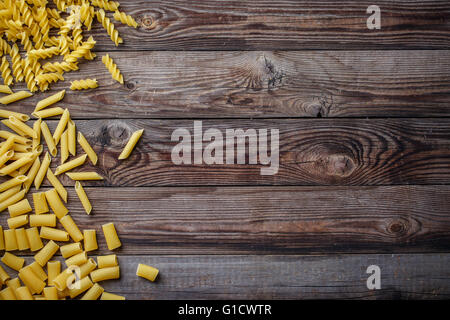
{"points": [[19, 208], [17, 222], [53, 269], [147, 272], [13, 261], [8, 144], [87, 148], [53, 234], [7, 113], [22, 126], [71, 164], [90, 240], [131, 144], [61, 126], [112, 239], [55, 203], [40, 175], [23, 293], [64, 147], [34, 239], [40, 203], [16, 164], [57, 185], [111, 296], [107, 261], [13, 127], [71, 137], [72, 229], [6, 157], [50, 100], [5, 89], [22, 239], [83, 197], [105, 274], [17, 138], [46, 253], [12, 182], [48, 139], [78, 176], [43, 220], [12, 199], [47, 113], [13, 97], [37, 130], [93, 293], [71, 249], [32, 174]]}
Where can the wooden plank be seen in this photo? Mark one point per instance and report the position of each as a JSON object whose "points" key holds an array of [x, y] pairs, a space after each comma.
{"points": [[321, 152], [404, 276], [267, 220], [262, 84], [280, 25]]}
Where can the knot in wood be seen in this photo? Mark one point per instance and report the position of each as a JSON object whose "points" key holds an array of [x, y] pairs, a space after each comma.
{"points": [[148, 22]]}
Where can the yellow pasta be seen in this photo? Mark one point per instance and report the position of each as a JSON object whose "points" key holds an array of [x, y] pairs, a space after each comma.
{"points": [[84, 84], [60, 282], [48, 139], [5, 89], [13, 127], [70, 226], [93, 293], [107, 261], [8, 294], [13, 261], [49, 77], [79, 176], [13, 283], [87, 268], [87, 148], [2, 239], [23, 293], [70, 164], [90, 240], [16, 165], [80, 286], [70, 249], [112, 68], [47, 113], [71, 137], [31, 280], [147, 272], [55, 203], [53, 269], [61, 126], [32, 174], [105, 4], [125, 19], [4, 276], [6, 157], [17, 222], [40, 175], [43, 220], [8, 193], [61, 67], [53, 234], [10, 240], [22, 239], [42, 54], [131, 144], [6, 72], [34, 239], [19, 208], [109, 27], [105, 274], [83, 197], [51, 293], [112, 239], [16, 96], [37, 129], [23, 127], [12, 182], [40, 203], [57, 185], [64, 146], [46, 253], [38, 270], [111, 296], [77, 260], [8, 113], [8, 144]]}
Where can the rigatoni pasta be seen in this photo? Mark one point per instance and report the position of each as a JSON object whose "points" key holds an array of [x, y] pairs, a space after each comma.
{"points": [[147, 272], [71, 227], [13, 261], [112, 239], [90, 240], [22, 239], [19, 208], [105, 274], [40, 203], [34, 239], [46, 253]]}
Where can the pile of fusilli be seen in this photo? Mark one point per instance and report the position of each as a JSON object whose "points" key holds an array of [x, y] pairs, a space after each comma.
{"points": [[47, 30]]}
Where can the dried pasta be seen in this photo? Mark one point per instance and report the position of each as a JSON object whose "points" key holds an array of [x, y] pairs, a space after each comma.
{"points": [[84, 84], [112, 68]]}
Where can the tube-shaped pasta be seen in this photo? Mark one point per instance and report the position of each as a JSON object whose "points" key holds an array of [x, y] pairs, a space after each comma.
{"points": [[71, 137], [57, 185], [93, 293], [147, 272], [77, 260], [34, 239], [16, 96], [51, 293], [23, 127], [31, 280], [40, 203], [90, 240], [60, 282], [46, 253], [80, 286], [8, 144], [18, 139], [86, 268], [112, 239], [47, 113], [8, 294], [105, 274], [42, 171], [42, 220], [48, 139], [70, 226], [12, 199], [37, 129], [87, 148], [50, 100], [16, 164], [13, 283], [13, 182], [8, 193], [23, 293], [111, 296], [64, 146], [19, 208], [22, 239], [71, 164], [17, 222], [83, 197], [107, 261], [6, 156], [53, 269], [2, 239], [5, 89], [78, 176], [61, 125], [13, 127], [4, 276], [38, 270], [131, 144], [13, 261], [32, 174], [53, 234], [7, 113], [71, 249], [55, 203]]}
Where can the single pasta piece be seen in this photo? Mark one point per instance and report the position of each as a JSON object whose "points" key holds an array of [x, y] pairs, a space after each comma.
{"points": [[22, 239], [32, 174], [112, 239], [13, 199], [34, 239], [46, 253], [70, 226], [40, 203], [125, 19], [86, 268], [80, 286], [23, 293], [61, 280], [77, 260], [53, 234], [60, 67], [64, 147], [8, 294], [51, 293], [105, 4], [55, 203], [71, 249], [42, 54], [49, 77], [112, 68], [43, 220], [53, 269], [71, 137], [44, 103], [2, 239], [61, 125], [6, 157], [4, 276], [90, 240], [131, 144], [23, 127], [47, 113], [107, 261], [12, 182], [19, 208], [109, 27], [48, 139], [13, 97], [31, 280], [84, 84], [17, 66], [79, 176], [57, 185], [18, 115], [111, 296], [93, 293], [13, 127], [6, 71], [40, 175], [17, 222], [16, 165], [87, 148], [83, 197], [105, 274], [13, 261], [147, 272], [38, 270], [5, 89], [70, 164], [37, 128]]}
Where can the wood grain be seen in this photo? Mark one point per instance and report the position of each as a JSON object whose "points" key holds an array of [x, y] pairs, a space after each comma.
{"points": [[262, 85], [267, 220], [404, 276], [280, 25], [321, 152]]}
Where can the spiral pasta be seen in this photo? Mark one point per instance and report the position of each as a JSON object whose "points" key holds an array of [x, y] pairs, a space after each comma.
{"points": [[109, 27], [77, 37], [49, 77], [125, 19], [81, 51], [29, 75], [87, 15], [60, 67], [43, 53], [16, 63], [43, 22], [112, 68], [107, 5], [6, 72], [84, 84]]}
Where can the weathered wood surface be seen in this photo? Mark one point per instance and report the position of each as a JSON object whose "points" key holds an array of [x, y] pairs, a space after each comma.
{"points": [[262, 84], [262, 220], [280, 25], [403, 276], [322, 152]]}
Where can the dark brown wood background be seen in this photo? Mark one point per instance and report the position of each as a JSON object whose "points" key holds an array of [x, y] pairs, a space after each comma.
{"points": [[364, 120]]}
